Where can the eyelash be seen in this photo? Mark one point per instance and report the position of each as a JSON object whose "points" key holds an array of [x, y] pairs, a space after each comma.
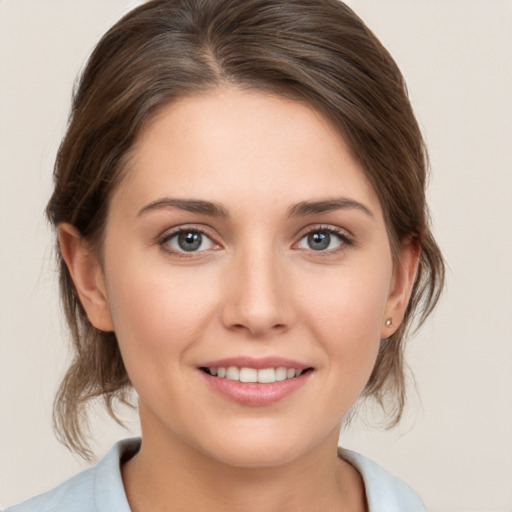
{"points": [[346, 241]]}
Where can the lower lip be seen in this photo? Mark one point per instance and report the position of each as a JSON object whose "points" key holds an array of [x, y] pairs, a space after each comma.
{"points": [[253, 393]]}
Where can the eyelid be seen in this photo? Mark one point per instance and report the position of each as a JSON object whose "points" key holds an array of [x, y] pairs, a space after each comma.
{"points": [[331, 228]]}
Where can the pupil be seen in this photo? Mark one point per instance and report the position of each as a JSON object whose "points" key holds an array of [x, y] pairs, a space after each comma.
{"points": [[319, 241], [190, 241]]}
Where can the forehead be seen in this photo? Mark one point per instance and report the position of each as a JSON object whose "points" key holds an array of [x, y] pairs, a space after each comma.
{"points": [[231, 144]]}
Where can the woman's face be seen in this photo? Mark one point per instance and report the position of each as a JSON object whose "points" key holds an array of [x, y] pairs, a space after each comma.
{"points": [[246, 240]]}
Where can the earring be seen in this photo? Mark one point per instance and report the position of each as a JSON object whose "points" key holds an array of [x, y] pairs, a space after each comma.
{"points": [[389, 322]]}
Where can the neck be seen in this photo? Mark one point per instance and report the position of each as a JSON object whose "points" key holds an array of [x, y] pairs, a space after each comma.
{"points": [[167, 475]]}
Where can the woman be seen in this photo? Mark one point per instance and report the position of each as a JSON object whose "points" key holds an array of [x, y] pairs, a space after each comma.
{"points": [[244, 240]]}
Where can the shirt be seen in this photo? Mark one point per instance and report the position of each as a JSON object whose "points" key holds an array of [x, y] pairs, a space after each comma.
{"points": [[100, 488]]}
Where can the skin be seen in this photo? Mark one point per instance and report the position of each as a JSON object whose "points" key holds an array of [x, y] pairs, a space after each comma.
{"points": [[255, 288]]}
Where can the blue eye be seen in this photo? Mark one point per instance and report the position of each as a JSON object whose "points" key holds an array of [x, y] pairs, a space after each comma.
{"points": [[188, 240], [323, 240]]}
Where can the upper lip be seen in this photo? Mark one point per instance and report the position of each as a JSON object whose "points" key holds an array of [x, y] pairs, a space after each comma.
{"points": [[255, 362]]}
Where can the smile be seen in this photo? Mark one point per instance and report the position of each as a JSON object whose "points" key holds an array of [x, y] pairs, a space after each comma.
{"points": [[255, 382], [259, 375]]}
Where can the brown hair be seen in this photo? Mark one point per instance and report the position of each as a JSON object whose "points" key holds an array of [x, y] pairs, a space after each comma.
{"points": [[317, 51]]}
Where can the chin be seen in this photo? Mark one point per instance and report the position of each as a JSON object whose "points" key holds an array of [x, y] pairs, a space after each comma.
{"points": [[252, 457], [259, 448]]}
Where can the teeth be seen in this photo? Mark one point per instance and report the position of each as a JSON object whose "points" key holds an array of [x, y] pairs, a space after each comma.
{"points": [[266, 375], [248, 375], [280, 373], [263, 375], [232, 373]]}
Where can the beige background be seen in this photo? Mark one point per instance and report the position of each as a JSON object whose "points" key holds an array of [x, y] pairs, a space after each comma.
{"points": [[455, 445]]}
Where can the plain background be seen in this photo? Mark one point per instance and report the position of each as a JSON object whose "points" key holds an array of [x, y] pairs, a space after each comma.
{"points": [[455, 444]]}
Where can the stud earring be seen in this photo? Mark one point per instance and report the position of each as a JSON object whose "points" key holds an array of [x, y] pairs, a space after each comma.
{"points": [[389, 322]]}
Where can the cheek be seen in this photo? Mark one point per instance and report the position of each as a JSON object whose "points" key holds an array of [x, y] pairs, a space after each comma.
{"points": [[157, 311], [346, 310]]}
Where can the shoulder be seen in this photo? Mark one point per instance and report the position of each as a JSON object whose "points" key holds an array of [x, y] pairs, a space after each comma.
{"points": [[97, 489], [74, 494], [384, 492]]}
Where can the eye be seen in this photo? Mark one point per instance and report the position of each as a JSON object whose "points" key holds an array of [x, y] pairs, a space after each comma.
{"points": [[324, 240], [188, 240]]}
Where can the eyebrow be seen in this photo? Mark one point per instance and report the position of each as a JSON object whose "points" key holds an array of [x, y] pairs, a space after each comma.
{"points": [[311, 207], [301, 209], [189, 205]]}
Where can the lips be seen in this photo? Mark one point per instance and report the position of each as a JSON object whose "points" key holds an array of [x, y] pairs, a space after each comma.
{"points": [[256, 382]]}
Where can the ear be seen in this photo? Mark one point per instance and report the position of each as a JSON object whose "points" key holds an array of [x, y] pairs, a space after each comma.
{"points": [[87, 275], [404, 274]]}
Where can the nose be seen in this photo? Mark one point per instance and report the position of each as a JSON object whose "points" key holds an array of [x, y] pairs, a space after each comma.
{"points": [[258, 295]]}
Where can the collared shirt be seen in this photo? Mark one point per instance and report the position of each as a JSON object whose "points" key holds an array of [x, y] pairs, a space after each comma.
{"points": [[100, 488]]}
